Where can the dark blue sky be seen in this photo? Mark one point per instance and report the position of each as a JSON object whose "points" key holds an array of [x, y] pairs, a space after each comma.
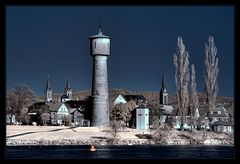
{"points": [[52, 40]]}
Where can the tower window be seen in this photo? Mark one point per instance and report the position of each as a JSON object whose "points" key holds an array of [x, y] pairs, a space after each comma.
{"points": [[96, 92], [95, 44], [165, 99]]}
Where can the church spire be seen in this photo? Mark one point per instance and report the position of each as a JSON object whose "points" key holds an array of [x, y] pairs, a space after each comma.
{"points": [[68, 85], [163, 93], [163, 82], [68, 90], [48, 85], [48, 91]]}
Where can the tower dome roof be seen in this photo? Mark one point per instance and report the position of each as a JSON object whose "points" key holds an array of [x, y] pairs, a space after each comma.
{"points": [[99, 35]]}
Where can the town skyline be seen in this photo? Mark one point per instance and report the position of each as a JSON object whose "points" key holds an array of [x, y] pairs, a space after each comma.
{"points": [[54, 41]]}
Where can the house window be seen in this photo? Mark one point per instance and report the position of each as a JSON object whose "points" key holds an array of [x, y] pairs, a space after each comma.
{"points": [[229, 128], [54, 115]]}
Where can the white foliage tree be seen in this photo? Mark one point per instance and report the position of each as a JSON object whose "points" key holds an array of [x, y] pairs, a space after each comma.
{"points": [[18, 100], [182, 79], [194, 104], [210, 74]]}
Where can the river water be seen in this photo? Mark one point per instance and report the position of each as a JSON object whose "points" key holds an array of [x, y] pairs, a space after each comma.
{"points": [[120, 152]]}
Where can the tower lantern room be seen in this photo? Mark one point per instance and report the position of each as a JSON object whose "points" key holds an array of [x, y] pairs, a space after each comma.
{"points": [[100, 44]]}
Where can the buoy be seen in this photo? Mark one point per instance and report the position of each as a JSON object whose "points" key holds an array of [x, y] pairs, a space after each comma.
{"points": [[92, 148]]}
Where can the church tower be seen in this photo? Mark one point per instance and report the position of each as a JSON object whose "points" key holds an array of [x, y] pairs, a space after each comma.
{"points": [[100, 50], [68, 90], [163, 95], [48, 91]]}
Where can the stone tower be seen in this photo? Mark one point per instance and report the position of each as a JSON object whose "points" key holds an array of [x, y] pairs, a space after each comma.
{"points": [[48, 91], [68, 90], [100, 50], [163, 95]]}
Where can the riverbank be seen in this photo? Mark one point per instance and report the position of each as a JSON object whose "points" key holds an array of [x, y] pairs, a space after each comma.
{"points": [[60, 135]]}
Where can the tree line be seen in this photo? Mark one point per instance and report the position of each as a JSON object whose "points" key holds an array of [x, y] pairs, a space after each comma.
{"points": [[21, 97], [187, 93]]}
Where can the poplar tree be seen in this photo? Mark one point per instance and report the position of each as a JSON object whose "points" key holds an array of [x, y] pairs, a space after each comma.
{"points": [[210, 75], [181, 63], [194, 104]]}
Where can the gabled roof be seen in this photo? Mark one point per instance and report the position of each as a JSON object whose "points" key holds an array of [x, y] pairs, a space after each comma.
{"points": [[223, 112], [119, 97], [72, 110], [134, 97], [75, 104], [54, 107]]}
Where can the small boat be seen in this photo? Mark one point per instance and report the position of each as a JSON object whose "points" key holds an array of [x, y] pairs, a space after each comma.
{"points": [[93, 148]]}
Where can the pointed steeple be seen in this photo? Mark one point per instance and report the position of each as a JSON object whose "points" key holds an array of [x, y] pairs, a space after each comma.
{"points": [[48, 91], [68, 90], [68, 85], [48, 85], [163, 82], [163, 93]]}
